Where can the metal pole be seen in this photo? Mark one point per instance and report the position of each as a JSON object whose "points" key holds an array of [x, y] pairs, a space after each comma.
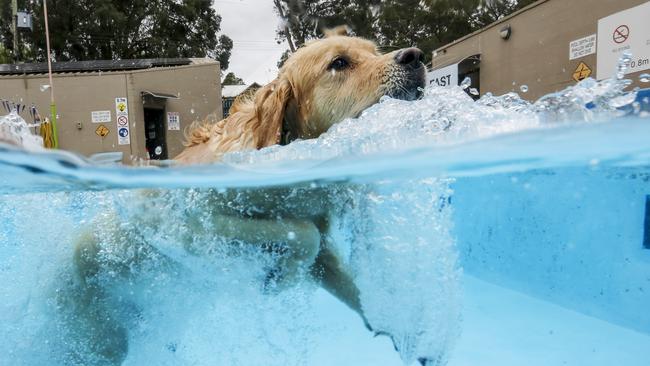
{"points": [[49, 68], [14, 27]]}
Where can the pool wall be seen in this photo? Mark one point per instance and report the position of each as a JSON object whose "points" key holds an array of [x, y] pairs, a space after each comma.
{"points": [[573, 237]]}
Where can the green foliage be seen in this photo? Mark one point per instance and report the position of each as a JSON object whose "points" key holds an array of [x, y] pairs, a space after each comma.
{"points": [[306, 19], [126, 29], [283, 58], [427, 24], [232, 79], [489, 11], [6, 37], [5, 55]]}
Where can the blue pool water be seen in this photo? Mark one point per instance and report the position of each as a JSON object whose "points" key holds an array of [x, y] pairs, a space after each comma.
{"points": [[496, 232]]}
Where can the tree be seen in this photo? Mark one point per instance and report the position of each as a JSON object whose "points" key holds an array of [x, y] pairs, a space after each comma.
{"points": [[5, 55], [394, 24], [489, 11], [6, 37], [125, 29], [283, 58], [232, 79], [303, 20]]}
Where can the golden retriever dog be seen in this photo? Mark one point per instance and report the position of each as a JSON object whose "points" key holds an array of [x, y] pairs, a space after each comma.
{"points": [[322, 83]]}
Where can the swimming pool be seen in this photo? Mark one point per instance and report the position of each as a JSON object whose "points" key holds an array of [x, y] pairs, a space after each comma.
{"points": [[495, 232]]}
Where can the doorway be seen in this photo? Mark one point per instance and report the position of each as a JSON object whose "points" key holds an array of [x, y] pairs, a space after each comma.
{"points": [[155, 138], [470, 68]]}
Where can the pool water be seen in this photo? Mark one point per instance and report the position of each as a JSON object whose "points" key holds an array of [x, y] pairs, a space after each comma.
{"points": [[496, 232]]}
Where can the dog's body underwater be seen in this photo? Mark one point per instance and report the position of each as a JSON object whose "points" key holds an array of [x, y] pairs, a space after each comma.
{"points": [[321, 84]]}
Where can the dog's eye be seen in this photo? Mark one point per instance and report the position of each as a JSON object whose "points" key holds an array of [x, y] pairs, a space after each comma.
{"points": [[338, 64]]}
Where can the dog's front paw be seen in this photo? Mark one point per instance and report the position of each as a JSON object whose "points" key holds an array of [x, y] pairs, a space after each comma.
{"points": [[423, 361], [430, 361]]}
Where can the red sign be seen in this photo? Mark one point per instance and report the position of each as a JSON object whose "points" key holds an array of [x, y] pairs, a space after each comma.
{"points": [[621, 34]]}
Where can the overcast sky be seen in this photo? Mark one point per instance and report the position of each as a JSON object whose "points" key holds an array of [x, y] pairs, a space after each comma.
{"points": [[251, 24]]}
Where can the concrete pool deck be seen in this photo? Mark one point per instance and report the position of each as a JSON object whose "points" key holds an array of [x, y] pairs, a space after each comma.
{"points": [[501, 327]]}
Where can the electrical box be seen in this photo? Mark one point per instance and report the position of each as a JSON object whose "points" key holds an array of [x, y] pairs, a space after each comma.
{"points": [[23, 21]]}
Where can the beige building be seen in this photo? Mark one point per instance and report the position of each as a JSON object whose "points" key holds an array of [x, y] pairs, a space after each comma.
{"points": [[548, 46], [137, 107]]}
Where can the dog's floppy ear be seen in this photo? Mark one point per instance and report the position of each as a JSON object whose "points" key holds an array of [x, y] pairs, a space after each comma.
{"points": [[341, 30], [270, 105]]}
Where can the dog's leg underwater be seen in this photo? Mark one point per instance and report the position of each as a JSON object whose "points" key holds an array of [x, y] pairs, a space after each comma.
{"points": [[333, 276], [298, 240], [99, 335], [100, 338], [337, 280]]}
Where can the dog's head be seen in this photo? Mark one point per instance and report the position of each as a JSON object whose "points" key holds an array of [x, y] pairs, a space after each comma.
{"points": [[331, 79]]}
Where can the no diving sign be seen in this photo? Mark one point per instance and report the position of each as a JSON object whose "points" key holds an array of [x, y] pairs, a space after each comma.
{"points": [[625, 31]]}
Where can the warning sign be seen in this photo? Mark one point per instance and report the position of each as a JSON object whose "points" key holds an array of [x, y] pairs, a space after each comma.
{"points": [[121, 107], [582, 47], [100, 116], [122, 114], [173, 121], [626, 31], [582, 72], [102, 131]]}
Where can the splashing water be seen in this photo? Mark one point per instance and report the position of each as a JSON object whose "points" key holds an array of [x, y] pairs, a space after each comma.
{"points": [[449, 116], [213, 304], [15, 131], [467, 82], [394, 259], [623, 65]]}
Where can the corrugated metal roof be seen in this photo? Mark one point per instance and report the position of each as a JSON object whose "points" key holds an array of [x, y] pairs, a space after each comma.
{"points": [[96, 65]]}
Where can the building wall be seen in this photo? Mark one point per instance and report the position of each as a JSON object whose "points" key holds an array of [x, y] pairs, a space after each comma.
{"points": [[198, 88], [75, 96], [537, 53], [78, 94]]}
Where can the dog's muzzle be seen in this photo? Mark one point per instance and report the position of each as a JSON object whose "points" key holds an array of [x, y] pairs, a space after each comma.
{"points": [[408, 76]]}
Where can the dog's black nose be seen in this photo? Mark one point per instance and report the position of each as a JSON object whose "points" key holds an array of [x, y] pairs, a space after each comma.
{"points": [[410, 56]]}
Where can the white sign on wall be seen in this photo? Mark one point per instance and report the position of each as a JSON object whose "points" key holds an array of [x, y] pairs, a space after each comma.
{"points": [[173, 121], [582, 47], [446, 76], [100, 116], [122, 118], [628, 30]]}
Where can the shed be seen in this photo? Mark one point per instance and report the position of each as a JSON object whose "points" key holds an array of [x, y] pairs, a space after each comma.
{"points": [[137, 107]]}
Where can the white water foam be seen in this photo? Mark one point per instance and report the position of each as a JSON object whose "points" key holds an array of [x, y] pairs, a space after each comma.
{"points": [[405, 264], [15, 131], [449, 116]]}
